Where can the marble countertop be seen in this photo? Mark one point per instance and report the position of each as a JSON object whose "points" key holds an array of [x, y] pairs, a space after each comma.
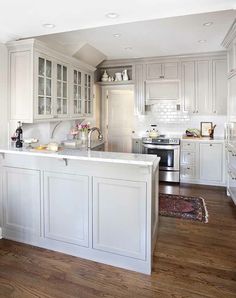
{"points": [[100, 156]]}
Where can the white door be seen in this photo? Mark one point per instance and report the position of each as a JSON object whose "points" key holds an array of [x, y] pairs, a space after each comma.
{"points": [[232, 99], [66, 207], [119, 119], [188, 86], [211, 166], [219, 92], [21, 201], [119, 208], [202, 87]]}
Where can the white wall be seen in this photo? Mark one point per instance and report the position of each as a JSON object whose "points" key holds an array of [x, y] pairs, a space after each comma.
{"points": [[3, 95]]}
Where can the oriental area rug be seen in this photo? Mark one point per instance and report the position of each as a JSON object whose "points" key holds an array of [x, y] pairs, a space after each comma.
{"points": [[185, 207]]}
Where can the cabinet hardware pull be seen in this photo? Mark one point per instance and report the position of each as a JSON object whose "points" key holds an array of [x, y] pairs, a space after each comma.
{"points": [[210, 145], [188, 168]]}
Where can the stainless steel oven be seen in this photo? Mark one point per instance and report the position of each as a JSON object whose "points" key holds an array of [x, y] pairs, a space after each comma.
{"points": [[168, 149]]}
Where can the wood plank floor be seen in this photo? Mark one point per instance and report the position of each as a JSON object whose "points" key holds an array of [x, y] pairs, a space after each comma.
{"points": [[191, 260]]}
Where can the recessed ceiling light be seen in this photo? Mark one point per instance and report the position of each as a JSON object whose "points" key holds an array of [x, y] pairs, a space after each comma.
{"points": [[116, 35], [49, 26], [112, 15], [201, 40], [208, 24], [128, 48]]}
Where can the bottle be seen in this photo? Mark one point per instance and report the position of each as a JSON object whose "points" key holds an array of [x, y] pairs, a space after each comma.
{"points": [[19, 136]]}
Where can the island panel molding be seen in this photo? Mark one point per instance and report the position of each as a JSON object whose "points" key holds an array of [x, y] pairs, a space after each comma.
{"points": [[99, 206]]}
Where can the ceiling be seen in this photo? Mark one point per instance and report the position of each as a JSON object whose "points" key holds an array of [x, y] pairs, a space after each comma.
{"points": [[159, 37], [24, 18]]}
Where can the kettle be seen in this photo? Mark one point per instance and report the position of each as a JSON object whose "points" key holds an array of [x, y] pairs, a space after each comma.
{"points": [[153, 132]]}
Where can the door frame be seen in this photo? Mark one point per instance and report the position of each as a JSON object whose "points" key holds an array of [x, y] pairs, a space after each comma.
{"points": [[104, 107]]}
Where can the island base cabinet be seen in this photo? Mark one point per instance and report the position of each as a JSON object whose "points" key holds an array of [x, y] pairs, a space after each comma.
{"points": [[116, 228], [66, 200], [21, 203]]}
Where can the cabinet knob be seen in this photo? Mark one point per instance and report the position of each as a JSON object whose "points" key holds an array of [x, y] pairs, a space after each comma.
{"points": [[188, 168], [214, 112], [210, 145], [196, 111]]}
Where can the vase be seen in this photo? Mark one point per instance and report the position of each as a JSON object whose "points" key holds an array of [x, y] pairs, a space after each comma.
{"points": [[83, 137]]}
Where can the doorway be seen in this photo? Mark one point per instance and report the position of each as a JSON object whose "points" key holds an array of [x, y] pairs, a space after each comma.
{"points": [[118, 117]]}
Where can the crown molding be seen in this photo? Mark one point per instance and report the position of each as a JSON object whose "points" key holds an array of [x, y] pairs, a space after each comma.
{"points": [[231, 34]]}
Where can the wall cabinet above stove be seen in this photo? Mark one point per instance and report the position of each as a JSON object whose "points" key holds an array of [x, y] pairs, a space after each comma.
{"points": [[46, 85], [167, 70]]}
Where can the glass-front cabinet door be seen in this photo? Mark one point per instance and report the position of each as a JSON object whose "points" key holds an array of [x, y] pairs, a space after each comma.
{"points": [[88, 102], [77, 93], [61, 90], [44, 106]]}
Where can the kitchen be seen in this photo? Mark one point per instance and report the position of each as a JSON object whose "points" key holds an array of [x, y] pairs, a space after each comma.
{"points": [[112, 117]]}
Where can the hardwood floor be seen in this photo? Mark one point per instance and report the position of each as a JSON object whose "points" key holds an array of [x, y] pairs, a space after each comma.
{"points": [[191, 260]]}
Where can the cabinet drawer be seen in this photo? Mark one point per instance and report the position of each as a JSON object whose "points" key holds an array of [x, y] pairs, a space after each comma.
{"points": [[188, 146], [187, 172], [188, 157]]}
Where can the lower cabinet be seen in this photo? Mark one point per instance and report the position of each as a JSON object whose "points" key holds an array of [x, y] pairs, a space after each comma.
{"points": [[202, 162], [66, 201], [137, 146], [115, 228], [211, 162], [21, 201]]}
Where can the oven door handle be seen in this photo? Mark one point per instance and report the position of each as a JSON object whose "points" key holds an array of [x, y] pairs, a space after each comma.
{"points": [[163, 147]]}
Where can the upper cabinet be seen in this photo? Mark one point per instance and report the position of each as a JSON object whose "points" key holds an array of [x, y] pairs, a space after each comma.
{"points": [[168, 70], [47, 85], [204, 86], [229, 43]]}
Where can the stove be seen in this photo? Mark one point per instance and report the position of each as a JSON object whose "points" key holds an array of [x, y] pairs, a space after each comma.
{"points": [[162, 139], [168, 149]]}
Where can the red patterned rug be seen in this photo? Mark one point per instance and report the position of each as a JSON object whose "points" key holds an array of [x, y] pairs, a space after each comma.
{"points": [[192, 208]]}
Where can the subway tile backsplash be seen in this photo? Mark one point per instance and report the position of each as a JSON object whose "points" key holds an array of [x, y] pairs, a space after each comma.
{"points": [[170, 120]]}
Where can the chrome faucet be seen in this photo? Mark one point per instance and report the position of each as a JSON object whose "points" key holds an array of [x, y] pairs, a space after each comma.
{"points": [[100, 136]]}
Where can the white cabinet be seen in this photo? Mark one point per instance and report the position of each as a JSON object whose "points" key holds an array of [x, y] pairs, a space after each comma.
{"points": [[66, 200], [188, 85], [168, 70], [219, 87], [43, 84], [211, 162], [229, 43], [232, 99], [112, 201], [202, 162], [21, 201], [162, 90], [137, 146], [204, 86]]}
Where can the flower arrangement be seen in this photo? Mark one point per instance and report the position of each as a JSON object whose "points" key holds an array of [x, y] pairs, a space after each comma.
{"points": [[80, 129]]}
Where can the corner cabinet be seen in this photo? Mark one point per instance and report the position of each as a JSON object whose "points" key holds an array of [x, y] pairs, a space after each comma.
{"points": [[47, 85]]}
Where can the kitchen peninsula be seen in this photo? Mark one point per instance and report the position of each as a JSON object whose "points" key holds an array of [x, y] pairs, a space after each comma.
{"points": [[100, 206]]}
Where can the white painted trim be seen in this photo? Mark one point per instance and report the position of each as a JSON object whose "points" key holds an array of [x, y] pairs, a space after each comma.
{"points": [[195, 56], [231, 34]]}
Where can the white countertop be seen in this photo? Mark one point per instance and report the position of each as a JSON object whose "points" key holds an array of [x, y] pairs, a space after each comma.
{"points": [[74, 154]]}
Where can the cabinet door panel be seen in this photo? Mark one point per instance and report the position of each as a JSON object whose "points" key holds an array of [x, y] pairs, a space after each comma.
{"points": [[211, 162], [119, 208], [219, 92], [66, 207], [170, 70], [188, 86], [162, 90], [22, 200], [203, 87], [154, 71], [232, 98]]}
